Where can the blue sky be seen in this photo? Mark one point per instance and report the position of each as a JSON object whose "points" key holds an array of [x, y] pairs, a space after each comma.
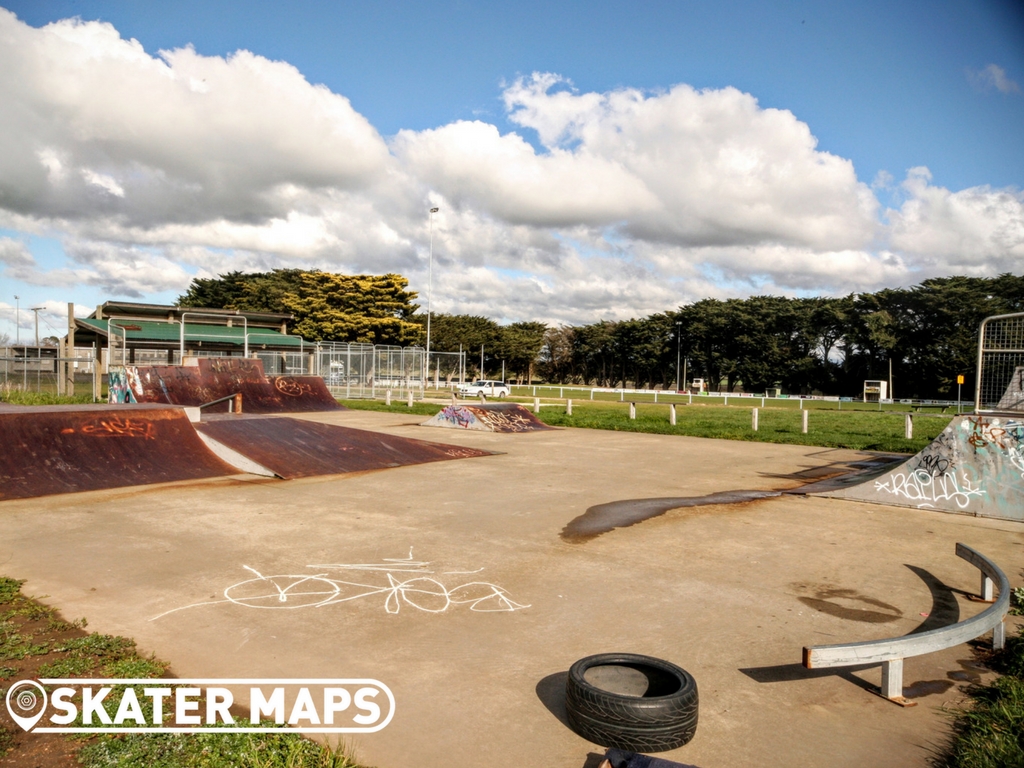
{"points": [[882, 88]]}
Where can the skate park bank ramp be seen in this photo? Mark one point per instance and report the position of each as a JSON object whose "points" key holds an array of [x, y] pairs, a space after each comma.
{"points": [[489, 417], [212, 379], [290, 448], [52, 450], [63, 449], [975, 467]]}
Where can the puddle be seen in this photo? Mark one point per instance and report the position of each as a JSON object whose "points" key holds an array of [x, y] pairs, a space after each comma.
{"points": [[621, 514], [847, 604], [924, 688]]}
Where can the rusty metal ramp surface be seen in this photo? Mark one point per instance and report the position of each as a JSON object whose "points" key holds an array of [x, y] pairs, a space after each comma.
{"points": [[292, 448], [63, 449], [216, 378], [489, 417]]}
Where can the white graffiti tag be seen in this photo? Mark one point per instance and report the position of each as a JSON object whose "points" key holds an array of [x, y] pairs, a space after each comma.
{"points": [[927, 489], [293, 591]]}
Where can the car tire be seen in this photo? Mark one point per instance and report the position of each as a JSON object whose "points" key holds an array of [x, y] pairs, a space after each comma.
{"points": [[663, 717]]}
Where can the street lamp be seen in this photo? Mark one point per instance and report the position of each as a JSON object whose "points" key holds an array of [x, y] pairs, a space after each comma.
{"points": [[430, 291], [679, 325], [17, 319]]}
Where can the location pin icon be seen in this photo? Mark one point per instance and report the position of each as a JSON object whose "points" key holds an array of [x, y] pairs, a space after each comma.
{"points": [[22, 700]]}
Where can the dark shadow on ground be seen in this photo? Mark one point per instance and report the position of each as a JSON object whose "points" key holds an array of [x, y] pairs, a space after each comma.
{"points": [[787, 673], [551, 692], [945, 608]]}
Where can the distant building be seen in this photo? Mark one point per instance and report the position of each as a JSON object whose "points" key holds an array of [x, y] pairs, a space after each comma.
{"points": [[124, 333]]}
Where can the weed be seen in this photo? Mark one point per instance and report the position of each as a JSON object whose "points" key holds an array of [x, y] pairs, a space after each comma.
{"points": [[59, 625], [9, 589], [66, 667], [990, 732], [215, 750], [135, 668], [7, 672], [6, 740], [1017, 601]]}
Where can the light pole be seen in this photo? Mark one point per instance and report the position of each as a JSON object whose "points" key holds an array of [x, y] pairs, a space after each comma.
{"points": [[430, 292], [17, 319], [679, 326]]}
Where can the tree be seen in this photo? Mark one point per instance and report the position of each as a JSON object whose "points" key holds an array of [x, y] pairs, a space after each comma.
{"points": [[373, 309]]}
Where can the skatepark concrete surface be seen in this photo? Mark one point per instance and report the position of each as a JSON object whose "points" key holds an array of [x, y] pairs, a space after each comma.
{"points": [[731, 593]]}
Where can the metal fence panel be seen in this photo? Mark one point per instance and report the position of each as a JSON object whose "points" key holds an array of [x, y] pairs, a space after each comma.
{"points": [[1000, 377], [367, 371]]}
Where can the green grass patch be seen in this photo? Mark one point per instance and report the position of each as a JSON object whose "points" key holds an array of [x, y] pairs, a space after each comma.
{"points": [[19, 397], [397, 406], [215, 750], [862, 430], [990, 732]]}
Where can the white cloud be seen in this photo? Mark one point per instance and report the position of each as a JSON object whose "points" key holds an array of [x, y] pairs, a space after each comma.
{"points": [[976, 231], [992, 76], [152, 169]]}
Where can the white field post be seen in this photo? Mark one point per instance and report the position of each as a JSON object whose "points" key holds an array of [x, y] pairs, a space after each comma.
{"points": [[803, 420], [672, 414], [622, 395], [409, 401], [483, 398], [753, 420], [762, 402], [387, 397], [801, 403], [909, 427], [655, 395], [726, 400], [536, 405], [689, 398], [632, 410], [454, 399], [568, 407]]}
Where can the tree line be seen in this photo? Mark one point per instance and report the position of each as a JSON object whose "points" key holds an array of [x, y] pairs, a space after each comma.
{"points": [[925, 335]]}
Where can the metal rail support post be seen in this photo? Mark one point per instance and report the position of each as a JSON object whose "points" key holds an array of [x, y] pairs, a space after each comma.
{"points": [[672, 414], [753, 420]]}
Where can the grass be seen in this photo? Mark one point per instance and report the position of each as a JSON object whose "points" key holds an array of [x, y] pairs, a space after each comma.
{"points": [[856, 430], [35, 642], [989, 733], [20, 397]]}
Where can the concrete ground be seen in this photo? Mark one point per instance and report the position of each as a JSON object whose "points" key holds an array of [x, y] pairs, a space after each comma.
{"points": [[731, 593]]}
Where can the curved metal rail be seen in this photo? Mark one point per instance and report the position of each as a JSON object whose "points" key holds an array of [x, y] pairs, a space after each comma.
{"points": [[890, 652]]}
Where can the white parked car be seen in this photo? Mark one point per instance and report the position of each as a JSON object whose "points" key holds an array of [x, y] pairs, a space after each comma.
{"points": [[486, 387]]}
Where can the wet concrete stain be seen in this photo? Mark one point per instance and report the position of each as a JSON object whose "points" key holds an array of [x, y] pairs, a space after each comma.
{"points": [[923, 688], [622, 514], [845, 604]]}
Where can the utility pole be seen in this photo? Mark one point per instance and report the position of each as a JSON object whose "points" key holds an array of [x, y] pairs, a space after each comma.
{"points": [[36, 310], [679, 325], [481, 361]]}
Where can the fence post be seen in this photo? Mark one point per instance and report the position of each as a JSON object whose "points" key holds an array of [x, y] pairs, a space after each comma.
{"points": [[753, 420], [689, 398], [622, 395], [561, 392], [568, 407], [536, 405], [762, 402], [726, 400], [672, 414], [455, 400], [387, 397], [803, 422], [409, 401], [632, 410], [655, 395], [909, 427], [801, 403]]}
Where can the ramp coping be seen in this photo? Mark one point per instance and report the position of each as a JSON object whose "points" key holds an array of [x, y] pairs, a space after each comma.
{"points": [[890, 652]]}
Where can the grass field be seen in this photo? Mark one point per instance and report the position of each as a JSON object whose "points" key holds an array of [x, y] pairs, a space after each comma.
{"points": [[853, 429]]}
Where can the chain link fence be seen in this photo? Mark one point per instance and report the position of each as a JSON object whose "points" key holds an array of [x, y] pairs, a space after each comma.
{"points": [[1000, 379], [368, 371]]}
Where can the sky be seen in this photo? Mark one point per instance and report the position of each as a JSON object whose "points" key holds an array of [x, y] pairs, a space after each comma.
{"points": [[598, 160]]}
